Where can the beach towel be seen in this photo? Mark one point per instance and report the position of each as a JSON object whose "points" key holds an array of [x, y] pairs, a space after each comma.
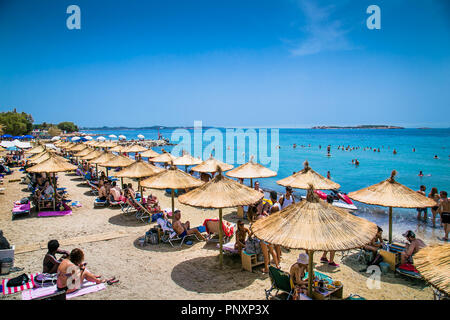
{"points": [[228, 247], [21, 208], [227, 227], [9, 290], [408, 267], [86, 287], [54, 213]]}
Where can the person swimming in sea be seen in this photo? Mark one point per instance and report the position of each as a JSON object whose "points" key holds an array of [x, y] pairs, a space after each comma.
{"points": [[420, 174]]}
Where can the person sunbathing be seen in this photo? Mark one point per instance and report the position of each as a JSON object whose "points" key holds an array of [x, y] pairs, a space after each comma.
{"points": [[241, 236], [72, 272], [114, 193], [376, 243], [152, 204], [412, 247], [297, 274], [50, 263], [184, 229], [102, 191]]}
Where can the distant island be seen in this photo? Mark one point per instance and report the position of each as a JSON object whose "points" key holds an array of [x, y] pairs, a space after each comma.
{"points": [[359, 127]]}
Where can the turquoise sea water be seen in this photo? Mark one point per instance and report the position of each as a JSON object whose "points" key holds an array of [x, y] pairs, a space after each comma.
{"points": [[374, 166]]}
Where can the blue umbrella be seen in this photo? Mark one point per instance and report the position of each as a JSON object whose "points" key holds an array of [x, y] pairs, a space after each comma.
{"points": [[6, 136], [28, 136], [17, 137]]}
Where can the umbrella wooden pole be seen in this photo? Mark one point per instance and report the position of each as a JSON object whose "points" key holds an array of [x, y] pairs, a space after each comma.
{"points": [[173, 200], [220, 240], [107, 173], [310, 273], [185, 168], [121, 182], [390, 224], [251, 183], [96, 169]]}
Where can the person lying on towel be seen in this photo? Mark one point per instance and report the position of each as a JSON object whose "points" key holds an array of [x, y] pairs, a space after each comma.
{"points": [[412, 247], [184, 229], [51, 263]]}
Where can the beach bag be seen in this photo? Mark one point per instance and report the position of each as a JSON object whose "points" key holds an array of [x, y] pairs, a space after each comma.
{"points": [[18, 281], [153, 236], [45, 279], [377, 260], [252, 246]]}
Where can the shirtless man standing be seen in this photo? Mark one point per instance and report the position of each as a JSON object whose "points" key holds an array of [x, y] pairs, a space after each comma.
{"points": [[444, 210], [413, 247], [183, 229]]}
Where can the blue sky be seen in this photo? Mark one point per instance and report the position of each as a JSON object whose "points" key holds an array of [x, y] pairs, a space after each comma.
{"points": [[286, 63]]}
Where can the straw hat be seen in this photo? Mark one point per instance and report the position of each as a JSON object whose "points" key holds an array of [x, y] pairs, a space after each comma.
{"points": [[433, 263], [211, 165], [104, 157], [138, 169], [314, 224], [52, 164], [164, 158], [149, 154], [187, 160], [117, 161], [390, 193], [92, 155], [251, 170], [306, 177], [171, 178], [135, 148], [221, 192]]}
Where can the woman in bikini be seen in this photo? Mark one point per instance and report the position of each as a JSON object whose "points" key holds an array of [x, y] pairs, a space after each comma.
{"points": [[72, 272]]}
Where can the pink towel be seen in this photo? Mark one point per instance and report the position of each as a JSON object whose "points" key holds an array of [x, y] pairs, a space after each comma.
{"points": [[86, 287], [54, 213]]}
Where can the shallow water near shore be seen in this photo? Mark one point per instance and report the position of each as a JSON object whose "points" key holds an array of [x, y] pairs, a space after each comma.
{"points": [[374, 166]]}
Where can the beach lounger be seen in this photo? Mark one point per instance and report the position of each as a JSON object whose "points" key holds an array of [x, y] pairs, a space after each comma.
{"points": [[21, 209], [281, 281], [142, 213], [100, 203], [169, 235]]}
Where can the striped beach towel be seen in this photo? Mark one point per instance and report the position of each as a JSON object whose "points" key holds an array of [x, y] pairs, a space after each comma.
{"points": [[9, 290]]}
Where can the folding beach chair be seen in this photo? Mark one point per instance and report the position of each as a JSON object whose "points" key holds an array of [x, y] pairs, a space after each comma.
{"points": [[100, 203], [169, 235], [142, 213], [280, 281]]}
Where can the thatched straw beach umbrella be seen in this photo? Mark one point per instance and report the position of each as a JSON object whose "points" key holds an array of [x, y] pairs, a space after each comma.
{"points": [[92, 155], [36, 150], [390, 193], [433, 263], [118, 162], [212, 165], [77, 148], [172, 178], [220, 193], [251, 170], [84, 152], [104, 157], [165, 157], [187, 160], [306, 177], [138, 170], [314, 225], [117, 148], [149, 154], [135, 148]]}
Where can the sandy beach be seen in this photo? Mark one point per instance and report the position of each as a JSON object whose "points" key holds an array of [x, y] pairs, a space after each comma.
{"points": [[160, 271]]}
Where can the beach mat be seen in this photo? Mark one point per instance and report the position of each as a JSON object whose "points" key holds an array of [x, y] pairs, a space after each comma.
{"points": [[86, 287], [54, 213], [72, 241]]}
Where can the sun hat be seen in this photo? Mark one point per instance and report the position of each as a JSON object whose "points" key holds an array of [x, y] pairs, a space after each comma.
{"points": [[303, 258], [409, 234]]}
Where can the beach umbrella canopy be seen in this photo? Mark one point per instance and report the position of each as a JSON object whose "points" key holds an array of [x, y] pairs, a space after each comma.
{"points": [[140, 136], [112, 136], [92, 155], [109, 144], [77, 148], [36, 150], [314, 225], [75, 138], [149, 154], [187, 160], [55, 138], [172, 178], [117, 162], [7, 136], [101, 138], [221, 192], [251, 170], [390, 193], [89, 138], [134, 148], [104, 156], [433, 263], [306, 177], [138, 169], [117, 148], [84, 152], [122, 137], [211, 165], [164, 158], [51, 165], [40, 157]]}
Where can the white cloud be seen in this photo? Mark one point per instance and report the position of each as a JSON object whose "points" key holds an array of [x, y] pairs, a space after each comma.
{"points": [[322, 33]]}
